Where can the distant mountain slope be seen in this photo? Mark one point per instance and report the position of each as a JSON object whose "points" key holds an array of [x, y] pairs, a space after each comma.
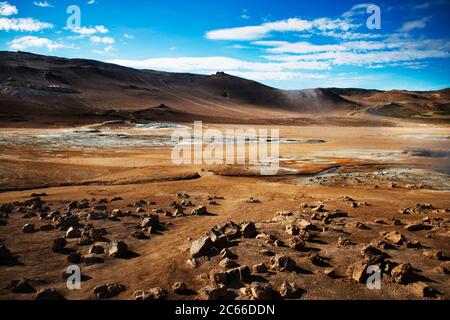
{"points": [[68, 86], [43, 88]]}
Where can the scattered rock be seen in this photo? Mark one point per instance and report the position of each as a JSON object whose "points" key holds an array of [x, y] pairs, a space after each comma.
{"points": [[292, 230], [5, 253], [259, 268], [200, 211], [402, 273], [59, 244], [21, 286], [422, 290], [330, 272], [179, 288], [261, 291], [106, 291], [74, 257], [228, 263], [201, 247], [289, 290], [394, 237], [118, 249], [282, 263], [248, 230], [296, 243], [417, 226], [433, 254], [73, 232], [139, 234], [213, 293], [28, 228], [97, 250], [48, 294]]}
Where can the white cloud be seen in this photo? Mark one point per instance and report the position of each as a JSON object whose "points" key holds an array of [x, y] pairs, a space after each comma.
{"points": [[43, 4], [91, 2], [416, 24], [35, 42], [107, 51], [356, 10], [244, 15], [7, 9], [212, 64], [276, 76], [23, 24], [128, 36], [104, 40], [288, 25], [90, 30]]}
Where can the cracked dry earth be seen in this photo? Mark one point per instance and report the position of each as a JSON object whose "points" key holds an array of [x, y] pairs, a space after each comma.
{"points": [[180, 245]]}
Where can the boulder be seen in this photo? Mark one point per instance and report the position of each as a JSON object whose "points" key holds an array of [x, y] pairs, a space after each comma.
{"points": [[357, 271], [201, 247], [217, 277]]}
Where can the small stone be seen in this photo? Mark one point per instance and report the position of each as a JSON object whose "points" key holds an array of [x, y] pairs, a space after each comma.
{"points": [[445, 267], [91, 259], [5, 253], [217, 276], [192, 262], [213, 293], [139, 234]]}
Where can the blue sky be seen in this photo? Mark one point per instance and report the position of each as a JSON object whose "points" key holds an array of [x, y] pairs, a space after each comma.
{"points": [[287, 44]]}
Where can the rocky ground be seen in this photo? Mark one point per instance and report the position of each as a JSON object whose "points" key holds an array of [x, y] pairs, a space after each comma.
{"points": [[140, 228]]}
